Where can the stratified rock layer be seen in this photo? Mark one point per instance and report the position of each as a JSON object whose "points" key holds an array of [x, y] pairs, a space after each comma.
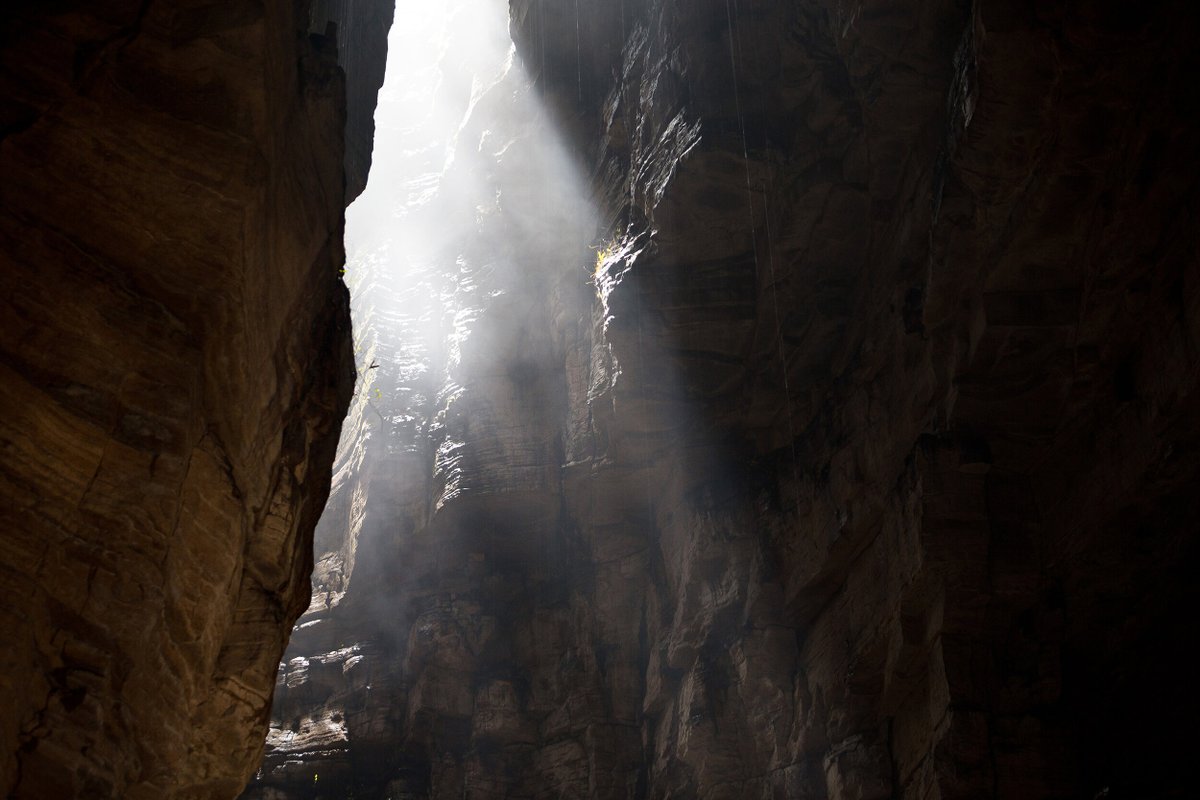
{"points": [[859, 459], [174, 366]]}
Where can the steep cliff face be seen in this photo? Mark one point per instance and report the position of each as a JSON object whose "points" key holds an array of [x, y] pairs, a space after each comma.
{"points": [[175, 357], [857, 460]]}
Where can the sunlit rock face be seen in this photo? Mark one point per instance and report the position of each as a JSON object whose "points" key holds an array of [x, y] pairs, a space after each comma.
{"points": [[176, 361], [857, 458]]}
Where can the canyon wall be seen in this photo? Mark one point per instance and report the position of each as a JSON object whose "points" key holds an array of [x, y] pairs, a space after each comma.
{"points": [[857, 458], [176, 361]]}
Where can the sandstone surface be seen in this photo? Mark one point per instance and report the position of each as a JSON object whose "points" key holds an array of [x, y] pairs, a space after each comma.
{"points": [[175, 363]]}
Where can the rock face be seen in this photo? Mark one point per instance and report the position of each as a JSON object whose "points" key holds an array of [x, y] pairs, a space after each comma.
{"points": [[176, 361], [858, 460]]}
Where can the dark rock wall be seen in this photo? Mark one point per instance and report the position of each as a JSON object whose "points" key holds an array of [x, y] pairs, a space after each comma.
{"points": [[859, 459], [175, 357]]}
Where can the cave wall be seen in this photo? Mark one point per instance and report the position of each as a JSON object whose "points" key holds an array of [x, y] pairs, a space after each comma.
{"points": [[175, 348], [865, 462]]}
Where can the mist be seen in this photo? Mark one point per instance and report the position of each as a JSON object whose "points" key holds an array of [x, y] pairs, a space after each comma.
{"points": [[469, 189], [478, 264]]}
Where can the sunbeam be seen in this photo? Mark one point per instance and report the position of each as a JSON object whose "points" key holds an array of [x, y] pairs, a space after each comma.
{"points": [[474, 214]]}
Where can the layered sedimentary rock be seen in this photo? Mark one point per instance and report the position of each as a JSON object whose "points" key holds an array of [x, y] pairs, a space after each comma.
{"points": [[176, 361], [858, 459]]}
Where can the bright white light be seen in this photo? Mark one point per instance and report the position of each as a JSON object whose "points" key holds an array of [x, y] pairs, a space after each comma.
{"points": [[468, 179]]}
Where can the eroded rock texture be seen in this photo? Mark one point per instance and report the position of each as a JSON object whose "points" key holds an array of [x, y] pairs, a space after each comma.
{"points": [[858, 461], [175, 362]]}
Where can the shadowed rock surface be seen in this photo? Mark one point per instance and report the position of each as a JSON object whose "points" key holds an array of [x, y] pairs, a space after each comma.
{"points": [[175, 363], [858, 459]]}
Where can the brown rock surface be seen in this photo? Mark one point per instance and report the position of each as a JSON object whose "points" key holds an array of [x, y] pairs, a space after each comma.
{"points": [[175, 359], [863, 463]]}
